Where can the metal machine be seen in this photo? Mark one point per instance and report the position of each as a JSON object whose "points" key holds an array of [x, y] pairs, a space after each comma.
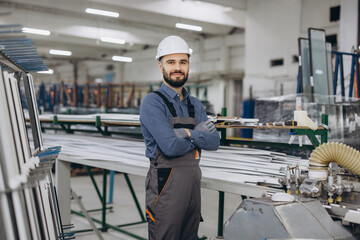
{"points": [[321, 203]]}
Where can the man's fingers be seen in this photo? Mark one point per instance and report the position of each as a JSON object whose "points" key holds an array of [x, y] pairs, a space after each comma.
{"points": [[212, 128], [207, 122]]}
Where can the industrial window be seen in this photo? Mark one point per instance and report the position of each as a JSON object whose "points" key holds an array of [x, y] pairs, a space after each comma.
{"points": [[295, 58], [334, 14], [276, 62], [333, 40]]}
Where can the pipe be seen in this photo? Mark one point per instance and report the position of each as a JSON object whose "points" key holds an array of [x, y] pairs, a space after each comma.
{"points": [[339, 153]]}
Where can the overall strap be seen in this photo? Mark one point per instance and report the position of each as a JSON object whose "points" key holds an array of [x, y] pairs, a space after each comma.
{"points": [[168, 103], [191, 108]]}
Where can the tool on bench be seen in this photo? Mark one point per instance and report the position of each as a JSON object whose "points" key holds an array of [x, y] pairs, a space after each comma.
{"points": [[234, 120], [286, 123]]}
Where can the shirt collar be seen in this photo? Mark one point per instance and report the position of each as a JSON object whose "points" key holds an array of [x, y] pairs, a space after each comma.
{"points": [[171, 92]]}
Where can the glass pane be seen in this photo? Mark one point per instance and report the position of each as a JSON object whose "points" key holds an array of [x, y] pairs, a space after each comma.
{"points": [[318, 66], [305, 69]]}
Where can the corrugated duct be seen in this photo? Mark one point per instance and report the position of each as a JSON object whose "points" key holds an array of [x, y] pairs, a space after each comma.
{"points": [[339, 153]]}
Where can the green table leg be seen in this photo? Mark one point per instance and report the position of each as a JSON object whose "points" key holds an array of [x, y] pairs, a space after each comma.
{"points": [[104, 227], [94, 182], [324, 120], [134, 197], [221, 213]]}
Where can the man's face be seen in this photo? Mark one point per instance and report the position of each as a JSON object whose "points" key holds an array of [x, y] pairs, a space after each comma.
{"points": [[175, 69]]}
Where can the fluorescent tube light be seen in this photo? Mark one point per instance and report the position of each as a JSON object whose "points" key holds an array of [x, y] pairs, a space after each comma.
{"points": [[36, 31], [49, 71], [122, 59], [102, 12], [188, 27], [60, 52], [112, 40]]}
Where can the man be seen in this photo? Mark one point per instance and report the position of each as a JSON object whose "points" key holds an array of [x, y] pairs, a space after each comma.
{"points": [[175, 128]]}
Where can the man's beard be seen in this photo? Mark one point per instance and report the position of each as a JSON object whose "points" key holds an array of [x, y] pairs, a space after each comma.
{"points": [[175, 83]]}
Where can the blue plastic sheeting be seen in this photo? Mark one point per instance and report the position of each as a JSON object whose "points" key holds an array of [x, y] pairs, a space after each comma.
{"points": [[249, 109]]}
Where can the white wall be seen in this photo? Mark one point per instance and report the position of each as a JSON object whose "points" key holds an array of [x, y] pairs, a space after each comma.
{"points": [[348, 35]]}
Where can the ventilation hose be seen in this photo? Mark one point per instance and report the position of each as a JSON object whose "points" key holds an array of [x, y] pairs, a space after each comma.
{"points": [[339, 153]]}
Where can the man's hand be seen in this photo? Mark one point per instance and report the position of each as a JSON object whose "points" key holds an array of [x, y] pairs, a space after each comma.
{"points": [[206, 126], [182, 133]]}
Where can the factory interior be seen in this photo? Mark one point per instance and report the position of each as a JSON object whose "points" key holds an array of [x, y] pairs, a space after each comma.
{"points": [[278, 80]]}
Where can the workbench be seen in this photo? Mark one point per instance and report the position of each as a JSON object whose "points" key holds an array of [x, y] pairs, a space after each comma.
{"points": [[222, 184], [102, 122], [127, 156]]}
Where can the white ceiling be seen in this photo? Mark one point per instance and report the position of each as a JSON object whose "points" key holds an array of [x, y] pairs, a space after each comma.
{"points": [[142, 23]]}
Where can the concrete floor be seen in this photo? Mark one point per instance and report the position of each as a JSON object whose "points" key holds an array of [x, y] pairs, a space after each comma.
{"points": [[124, 209]]}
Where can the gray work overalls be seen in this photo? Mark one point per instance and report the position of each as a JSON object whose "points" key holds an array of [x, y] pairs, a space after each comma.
{"points": [[173, 200]]}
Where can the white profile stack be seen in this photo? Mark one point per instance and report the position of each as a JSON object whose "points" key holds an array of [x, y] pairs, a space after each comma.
{"points": [[27, 197]]}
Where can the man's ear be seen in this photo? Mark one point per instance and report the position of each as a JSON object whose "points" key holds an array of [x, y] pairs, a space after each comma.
{"points": [[160, 66]]}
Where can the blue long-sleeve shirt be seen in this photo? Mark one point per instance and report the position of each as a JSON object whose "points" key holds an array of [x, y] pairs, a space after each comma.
{"points": [[158, 132]]}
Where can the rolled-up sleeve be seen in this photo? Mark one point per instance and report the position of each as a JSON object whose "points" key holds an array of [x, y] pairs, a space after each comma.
{"points": [[154, 120]]}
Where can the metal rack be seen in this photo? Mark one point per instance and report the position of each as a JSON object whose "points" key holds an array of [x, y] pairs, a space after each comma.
{"points": [[33, 209]]}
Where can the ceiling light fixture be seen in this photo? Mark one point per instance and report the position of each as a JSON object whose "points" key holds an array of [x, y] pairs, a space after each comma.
{"points": [[191, 50], [60, 52], [122, 59], [49, 71], [102, 12], [188, 27], [35, 31], [112, 40]]}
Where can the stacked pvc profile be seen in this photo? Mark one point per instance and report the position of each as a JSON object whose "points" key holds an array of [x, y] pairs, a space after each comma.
{"points": [[27, 200]]}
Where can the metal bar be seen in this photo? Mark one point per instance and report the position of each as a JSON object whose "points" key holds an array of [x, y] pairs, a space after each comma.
{"points": [[94, 183], [99, 209], [223, 131], [86, 214], [357, 75], [324, 120], [269, 144], [31, 100], [221, 213], [342, 79], [311, 134], [134, 197], [351, 88], [111, 190], [111, 226], [344, 53], [104, 227], [313, 140]]}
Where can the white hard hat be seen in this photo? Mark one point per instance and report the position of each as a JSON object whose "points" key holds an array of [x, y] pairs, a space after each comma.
{"points": [[171, 45]]}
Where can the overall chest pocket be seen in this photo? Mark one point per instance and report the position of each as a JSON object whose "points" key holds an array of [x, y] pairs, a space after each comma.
{"points": [[163, 177]]}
